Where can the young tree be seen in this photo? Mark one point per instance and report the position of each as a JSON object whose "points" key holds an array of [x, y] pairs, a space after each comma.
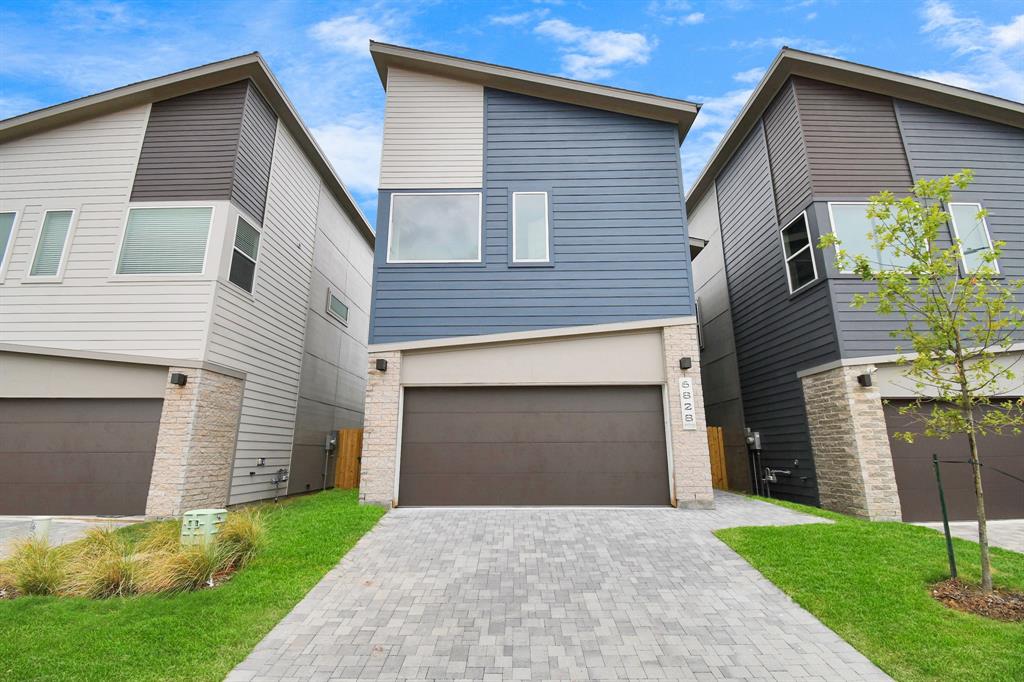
{"points": [[956, 320]]}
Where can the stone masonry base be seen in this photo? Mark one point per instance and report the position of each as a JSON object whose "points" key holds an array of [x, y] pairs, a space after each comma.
{"points": [[195, 446], [851, 444]]}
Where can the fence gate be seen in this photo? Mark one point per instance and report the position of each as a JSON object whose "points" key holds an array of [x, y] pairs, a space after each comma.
{"points": [[716, 447], [346, 471]]}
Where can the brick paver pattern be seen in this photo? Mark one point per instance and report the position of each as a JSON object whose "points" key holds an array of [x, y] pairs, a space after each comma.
{"points": [[567, 594]]}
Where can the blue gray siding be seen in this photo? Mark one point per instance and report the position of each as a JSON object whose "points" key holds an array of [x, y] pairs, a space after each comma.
{"points": [[214, 144], [619, 235], [776, 333], [790, 173]]}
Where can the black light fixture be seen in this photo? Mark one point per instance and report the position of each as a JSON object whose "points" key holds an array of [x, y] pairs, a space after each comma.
{"points": [[179, 379], [685, 363], [382, 365], [864, 379]]}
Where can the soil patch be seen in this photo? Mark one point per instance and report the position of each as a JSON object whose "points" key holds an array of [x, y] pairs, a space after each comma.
{"points": [[998, 604]]}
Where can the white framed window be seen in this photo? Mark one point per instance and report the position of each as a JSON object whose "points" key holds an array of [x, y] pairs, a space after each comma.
{"points": [[851, 224], [797, 249], [972, 232], [52, 243], [530, 230], [336, 307], [244, 255], [7, 221], [435, 228], [167, 240]]}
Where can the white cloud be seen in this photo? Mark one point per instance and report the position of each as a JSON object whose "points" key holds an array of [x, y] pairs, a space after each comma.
{"points": [[351, 34], [519, 19], [750, 75], [590, 54], [778, 42], [715, 117], [811, 16], [992, 55], [692, 18], [675, 12], [353, 147]]}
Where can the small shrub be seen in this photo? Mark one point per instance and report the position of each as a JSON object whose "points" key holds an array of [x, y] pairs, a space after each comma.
{"points": [[162, 536], [104, 565], [185, 568], [242, 535], [6, 581], [36, 567]]}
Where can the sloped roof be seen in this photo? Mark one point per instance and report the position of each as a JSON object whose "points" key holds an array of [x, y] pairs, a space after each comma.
{"points": [[790, 62], [249, 66]]}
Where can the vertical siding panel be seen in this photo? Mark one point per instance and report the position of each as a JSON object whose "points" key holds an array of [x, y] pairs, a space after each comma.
{"points": [[255, 154], [776, 334], [790, 174]]}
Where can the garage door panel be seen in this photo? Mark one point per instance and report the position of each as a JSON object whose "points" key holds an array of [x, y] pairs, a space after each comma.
{"points": [[534, 446], [79, 411], [81, 467], [73, 498], [73, 438]]}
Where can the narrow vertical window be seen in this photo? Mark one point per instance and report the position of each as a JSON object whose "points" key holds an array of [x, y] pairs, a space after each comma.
{"points": [[244, 255], [52, 244], [6, 232], [972, 231], [801, 269], [700, 325], [337, 308], [530, 227]]}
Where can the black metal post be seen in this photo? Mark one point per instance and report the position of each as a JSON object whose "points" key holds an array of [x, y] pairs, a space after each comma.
{"points": [[945, 519]]}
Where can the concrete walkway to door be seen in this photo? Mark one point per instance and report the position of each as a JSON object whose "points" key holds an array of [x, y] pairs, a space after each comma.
{"points": [[555, 593]]}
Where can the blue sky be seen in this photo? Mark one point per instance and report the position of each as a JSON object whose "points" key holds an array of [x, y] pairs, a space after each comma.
{"points": [[709, 52]]}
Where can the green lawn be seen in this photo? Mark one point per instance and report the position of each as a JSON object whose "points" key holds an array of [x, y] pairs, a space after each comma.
{"points": [[869, 583], [195, 636]]}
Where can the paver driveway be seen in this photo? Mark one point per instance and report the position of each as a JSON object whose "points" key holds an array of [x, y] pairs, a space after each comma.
{"points": [[531, 594]]}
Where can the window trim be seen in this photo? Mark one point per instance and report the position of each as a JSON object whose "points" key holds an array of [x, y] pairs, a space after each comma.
{"points": [[832, 227], [62, 264], [330, 312], [255, 262], [9, 249], [116, 276], [810, 245], [956, 233], [479, 228], [547, 230]]}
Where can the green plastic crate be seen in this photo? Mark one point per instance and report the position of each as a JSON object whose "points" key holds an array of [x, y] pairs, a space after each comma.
{"points": [[199, 526]]}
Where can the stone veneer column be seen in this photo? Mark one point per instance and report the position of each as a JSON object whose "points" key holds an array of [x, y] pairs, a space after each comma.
{"points": [[380, 430], [691, 461], [851, 444], [195, 447]]}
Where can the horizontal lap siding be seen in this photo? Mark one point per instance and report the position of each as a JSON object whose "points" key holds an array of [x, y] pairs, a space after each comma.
{"points": [[255, 154], [89, 166], [852, 138], [263, 334], [619, 237], [790, 174], [776, 335]]}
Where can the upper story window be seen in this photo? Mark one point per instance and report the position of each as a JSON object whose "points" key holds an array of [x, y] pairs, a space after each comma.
{"points": [[244, 255], [798, 250], [972, 231], [161, 241], [435, 228], [700, 324], [51, 244], [530, 227], [853, 227], [337, 308], [6, 232]]}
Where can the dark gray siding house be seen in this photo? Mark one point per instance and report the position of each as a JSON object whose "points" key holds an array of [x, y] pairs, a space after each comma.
{"points": [[533, 335], [817, 138]]}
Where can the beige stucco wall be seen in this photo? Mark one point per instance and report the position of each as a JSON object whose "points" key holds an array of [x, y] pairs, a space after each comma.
{"points": [[24, 375]]}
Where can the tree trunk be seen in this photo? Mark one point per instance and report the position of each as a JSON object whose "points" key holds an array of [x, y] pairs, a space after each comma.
{"points": [[979, 493]]}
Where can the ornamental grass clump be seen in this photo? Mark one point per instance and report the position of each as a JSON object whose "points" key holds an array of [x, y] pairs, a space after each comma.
{"points": [[104, 565], [36, 568], [242, 535], [186, 568]]}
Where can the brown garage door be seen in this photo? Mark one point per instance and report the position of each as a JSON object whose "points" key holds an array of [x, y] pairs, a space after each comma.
{"points": [[76, 456], [915, 475], [533, 446]]}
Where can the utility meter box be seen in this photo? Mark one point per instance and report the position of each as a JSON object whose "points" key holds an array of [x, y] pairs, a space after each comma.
{"points": [[199, 526]]}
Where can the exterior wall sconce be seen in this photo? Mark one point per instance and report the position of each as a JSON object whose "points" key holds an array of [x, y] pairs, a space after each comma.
{"points": [[179, 379], [382, 365], [685, 363], [864, 379]]}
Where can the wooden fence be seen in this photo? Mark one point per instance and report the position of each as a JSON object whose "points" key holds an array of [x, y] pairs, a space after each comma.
{"points": [[346, 469], [716, 445]]}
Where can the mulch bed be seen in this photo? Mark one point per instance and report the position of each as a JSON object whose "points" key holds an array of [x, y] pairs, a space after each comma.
{"points": [[998, 604]]}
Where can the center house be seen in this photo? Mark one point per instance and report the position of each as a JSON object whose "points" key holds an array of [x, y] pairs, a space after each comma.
{"points": [[533, 338]]}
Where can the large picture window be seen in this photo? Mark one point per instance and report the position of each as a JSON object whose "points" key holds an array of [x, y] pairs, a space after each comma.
{"points": [[434, 228], [530, 227], [798, 251], [165, 241], [853, 227], [972, 231]]}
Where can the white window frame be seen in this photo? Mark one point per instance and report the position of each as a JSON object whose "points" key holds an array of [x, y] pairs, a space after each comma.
{"points": [[956, 232], [786, 259], [255, 263], [4, 256], [832, 226], [115, 276], [547, 230], [331, 294], [59, 277], [479, 227]]}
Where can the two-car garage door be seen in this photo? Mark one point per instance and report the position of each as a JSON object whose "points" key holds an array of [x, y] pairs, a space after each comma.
{"points": [[550, 445]]}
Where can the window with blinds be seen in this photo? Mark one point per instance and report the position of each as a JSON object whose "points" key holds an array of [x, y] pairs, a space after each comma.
{"points": [[165, 241], [53, 236], [243, 257], [6, 228]]}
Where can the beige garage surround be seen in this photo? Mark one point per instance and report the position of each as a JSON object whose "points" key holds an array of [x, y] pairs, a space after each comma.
{"points": [[23, 375]]}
